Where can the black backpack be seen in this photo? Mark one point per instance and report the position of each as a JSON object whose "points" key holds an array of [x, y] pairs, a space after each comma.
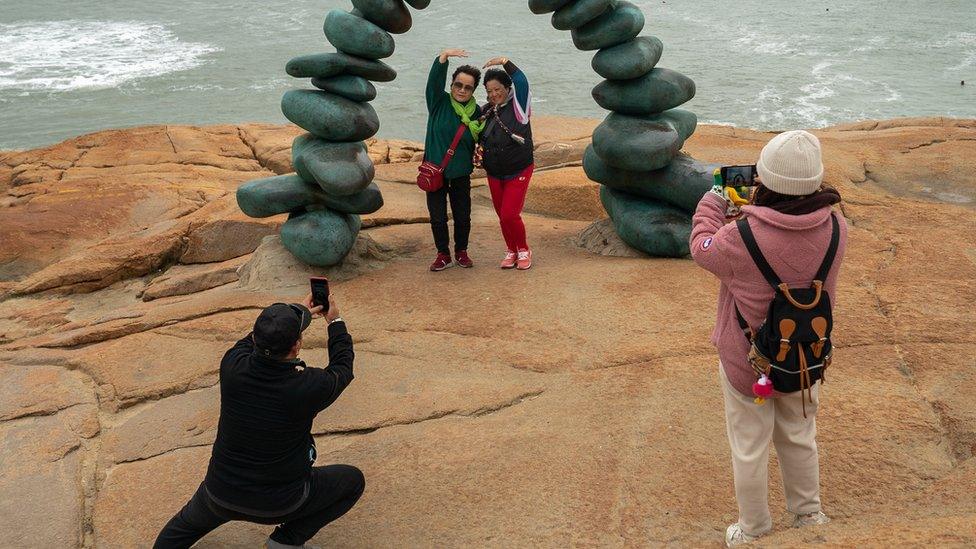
{"points": [[792, 346]]}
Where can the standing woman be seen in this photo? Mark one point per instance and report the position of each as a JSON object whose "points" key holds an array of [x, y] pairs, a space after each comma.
{"points": [[507, 154], [446, 111]]}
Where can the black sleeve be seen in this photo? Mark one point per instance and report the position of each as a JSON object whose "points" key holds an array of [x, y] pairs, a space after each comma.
{"points": [[510, 67], [328, 383], [241, 349]]}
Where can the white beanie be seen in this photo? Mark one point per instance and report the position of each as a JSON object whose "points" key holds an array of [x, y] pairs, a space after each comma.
{"points": [[790, 163]]}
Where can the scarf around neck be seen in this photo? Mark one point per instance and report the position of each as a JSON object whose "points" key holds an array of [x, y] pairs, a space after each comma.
{"points": [[796, 205], [466, 111]]}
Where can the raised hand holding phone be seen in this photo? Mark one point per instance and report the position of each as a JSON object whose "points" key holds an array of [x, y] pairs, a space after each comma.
{"points": [[320, 292]]}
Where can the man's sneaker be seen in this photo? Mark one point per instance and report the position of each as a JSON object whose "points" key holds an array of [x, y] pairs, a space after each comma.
{"points": [[462, 259], [735, 536], [524, 260], [810, 519], [442, 262], [272, 544], [509, 261]]}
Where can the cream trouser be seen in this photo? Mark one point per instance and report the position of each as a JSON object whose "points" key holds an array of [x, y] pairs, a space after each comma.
{"points": [[750, 426]]}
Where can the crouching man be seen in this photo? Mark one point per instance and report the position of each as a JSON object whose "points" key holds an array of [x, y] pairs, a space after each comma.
{"points": [[261, 464]]}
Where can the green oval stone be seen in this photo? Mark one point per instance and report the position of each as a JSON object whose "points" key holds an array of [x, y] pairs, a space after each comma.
{"points": [[657, 91], [357, 36], [631, 59], [579, 13], [353, 88], [615, 26], [682, 183], [390, 15], [418, 4], [539, 7], [329, 116], [322, 237], [642, 143], [339, 168], [289, 193], [326, 65], [651, 227]]}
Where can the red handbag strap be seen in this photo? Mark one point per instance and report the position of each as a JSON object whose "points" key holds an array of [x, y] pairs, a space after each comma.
{"points": [[450, 151]]}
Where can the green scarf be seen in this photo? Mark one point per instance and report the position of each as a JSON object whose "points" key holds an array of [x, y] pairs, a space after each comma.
{"points": [[465, 112]]}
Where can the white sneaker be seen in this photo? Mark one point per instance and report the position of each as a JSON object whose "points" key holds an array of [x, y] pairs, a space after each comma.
{"points": [[810, 519], [735, 536]]}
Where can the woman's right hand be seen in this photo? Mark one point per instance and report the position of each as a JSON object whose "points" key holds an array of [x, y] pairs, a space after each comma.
{"points": [[452, 52]]}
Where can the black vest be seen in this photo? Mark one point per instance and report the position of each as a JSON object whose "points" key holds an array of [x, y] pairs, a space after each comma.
{"points": [[503, 156]]}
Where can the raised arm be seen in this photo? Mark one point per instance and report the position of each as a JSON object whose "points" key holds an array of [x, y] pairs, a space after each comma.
{"points": [[326, 384], [523, 98], [708, 239], [437, 77]]}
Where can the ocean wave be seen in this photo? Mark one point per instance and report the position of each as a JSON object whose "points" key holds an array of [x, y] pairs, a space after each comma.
{"points": [[71, 55]]}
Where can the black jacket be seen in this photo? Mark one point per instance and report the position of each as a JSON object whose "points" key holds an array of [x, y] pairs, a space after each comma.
{"points": [[262, 458], [503, 157]]}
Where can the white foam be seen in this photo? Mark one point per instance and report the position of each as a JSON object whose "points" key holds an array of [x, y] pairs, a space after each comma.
{"points": [[71, 55]]}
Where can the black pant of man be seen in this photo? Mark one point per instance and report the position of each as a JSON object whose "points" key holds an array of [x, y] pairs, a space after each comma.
{"points": [[333, 491], [459, 191]]}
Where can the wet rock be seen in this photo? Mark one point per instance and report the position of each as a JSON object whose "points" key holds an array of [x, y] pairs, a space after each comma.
{"points": [[642, 143], [682, 183], [356, 36], [580, 12], [325, 65], [320, 238], [390, 15], [657, 91], [329, 116], [353, 88], [615, 26], [339, 168], [540, 7], [651, 227], [628, 60], [290, 193]]}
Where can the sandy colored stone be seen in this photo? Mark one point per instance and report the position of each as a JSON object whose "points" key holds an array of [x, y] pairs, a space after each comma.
{"points": [[40, 390], [600, 238], [566, 193], [190, 279], [225, 239]]}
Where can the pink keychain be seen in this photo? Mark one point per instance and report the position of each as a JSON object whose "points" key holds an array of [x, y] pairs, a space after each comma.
{"points": [[763, 389]]}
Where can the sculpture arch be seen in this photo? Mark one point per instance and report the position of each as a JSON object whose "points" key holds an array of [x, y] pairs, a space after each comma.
{"points": [[648, 188]]}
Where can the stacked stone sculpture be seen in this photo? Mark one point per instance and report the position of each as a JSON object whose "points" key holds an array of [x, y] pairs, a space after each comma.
{"points": [[649, 187]]}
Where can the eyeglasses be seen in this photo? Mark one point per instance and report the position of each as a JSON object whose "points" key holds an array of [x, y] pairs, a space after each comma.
{"points": [[462, 87]]}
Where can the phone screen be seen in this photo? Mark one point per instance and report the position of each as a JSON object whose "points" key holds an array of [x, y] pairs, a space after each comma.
{"points": [[320, 292], [739, 176]]}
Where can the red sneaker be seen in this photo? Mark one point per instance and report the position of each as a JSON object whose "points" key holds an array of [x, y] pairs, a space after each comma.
{"points": [[509, 261], [462, 259], [442, 262], [524, 260]]}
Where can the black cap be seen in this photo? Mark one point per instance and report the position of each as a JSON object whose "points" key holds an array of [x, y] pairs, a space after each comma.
{"points": [[278, 327]]}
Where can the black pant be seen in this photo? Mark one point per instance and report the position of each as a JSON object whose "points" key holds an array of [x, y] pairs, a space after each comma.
{"points": [[459, 190], [334, 489]]}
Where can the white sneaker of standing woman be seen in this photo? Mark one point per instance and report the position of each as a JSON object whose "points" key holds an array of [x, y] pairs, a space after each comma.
{"points": [[509, 261], [524, 261]]}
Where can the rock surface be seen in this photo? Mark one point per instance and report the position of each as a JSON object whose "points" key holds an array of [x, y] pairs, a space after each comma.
{"points": [[328, 116], [628, 60], [354, 35], [527, 426]]}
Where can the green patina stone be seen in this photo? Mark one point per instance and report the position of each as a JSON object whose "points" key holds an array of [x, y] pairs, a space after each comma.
{"points": [[326, 65], [651, 227], [615, 26], [339, 168], [391, 15], [642, 143], [580, 12], [289, 193], [329, 116], [656, 91], [353, 88], [356, 36], [682, 183], [418, 4], [545, 6], [322, 237], [628, 60]]}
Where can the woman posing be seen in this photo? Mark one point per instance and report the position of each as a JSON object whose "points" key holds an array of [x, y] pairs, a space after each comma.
{"points": [[507, 154]]}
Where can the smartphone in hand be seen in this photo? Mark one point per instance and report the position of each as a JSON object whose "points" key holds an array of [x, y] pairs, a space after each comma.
{"points": [[320, 292]]}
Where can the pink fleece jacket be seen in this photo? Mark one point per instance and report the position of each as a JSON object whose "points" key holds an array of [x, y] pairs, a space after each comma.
{"points": [[794, 245]]}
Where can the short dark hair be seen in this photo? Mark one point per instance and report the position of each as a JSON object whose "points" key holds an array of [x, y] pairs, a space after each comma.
{"points": [[500, 76], [469, 70]]}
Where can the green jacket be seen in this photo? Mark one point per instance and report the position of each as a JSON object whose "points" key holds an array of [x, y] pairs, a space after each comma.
{"points": [[443, 123]]}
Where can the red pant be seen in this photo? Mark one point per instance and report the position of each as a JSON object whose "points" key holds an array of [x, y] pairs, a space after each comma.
{"points": [[508, 196]]}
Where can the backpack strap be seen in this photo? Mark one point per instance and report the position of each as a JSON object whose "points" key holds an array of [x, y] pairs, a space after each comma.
{"points": [[757, 256], [828, 259], [450, 150]]}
